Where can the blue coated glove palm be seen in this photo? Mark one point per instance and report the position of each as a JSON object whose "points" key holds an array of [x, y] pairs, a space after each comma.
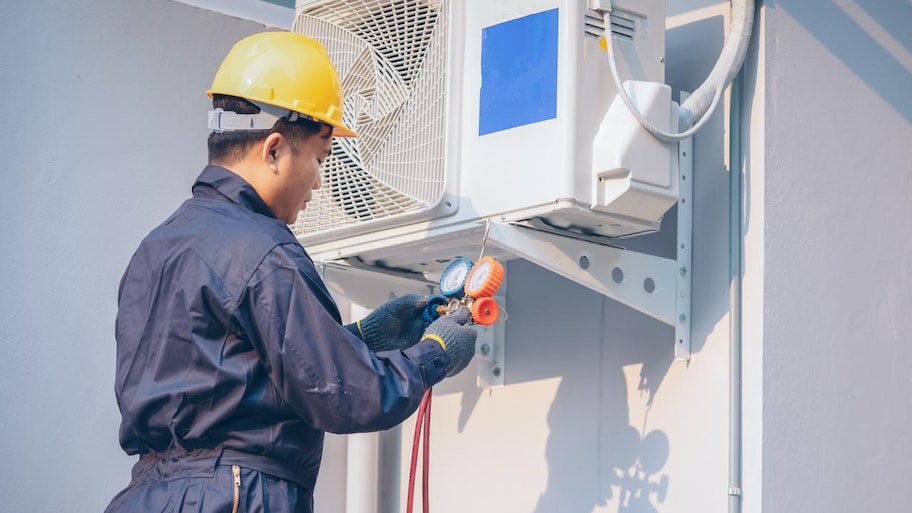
{"points": [[397, 324], [457, 339]]}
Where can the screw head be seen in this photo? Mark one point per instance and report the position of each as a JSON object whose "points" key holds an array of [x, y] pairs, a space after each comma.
{"points": [[485, 349], [496, 371]]}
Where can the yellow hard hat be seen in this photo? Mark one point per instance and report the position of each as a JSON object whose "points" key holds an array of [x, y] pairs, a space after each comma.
{"points": [[286, 70]]}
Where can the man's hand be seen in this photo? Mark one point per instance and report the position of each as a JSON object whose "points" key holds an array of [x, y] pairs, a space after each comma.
{"points": [[457, 339], [397, 324]]}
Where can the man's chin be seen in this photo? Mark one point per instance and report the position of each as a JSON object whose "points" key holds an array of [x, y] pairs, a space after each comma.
{"points": [[294, 217]]}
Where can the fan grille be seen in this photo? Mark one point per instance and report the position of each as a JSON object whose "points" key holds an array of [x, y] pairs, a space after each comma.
{"points": [[391, 59]]}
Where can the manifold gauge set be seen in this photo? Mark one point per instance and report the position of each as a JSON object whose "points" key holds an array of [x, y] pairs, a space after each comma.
{"points": [[472, 285]]}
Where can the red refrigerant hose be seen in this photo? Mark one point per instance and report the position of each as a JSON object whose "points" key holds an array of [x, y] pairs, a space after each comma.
{"points": [[484, 311], [423, 420]]}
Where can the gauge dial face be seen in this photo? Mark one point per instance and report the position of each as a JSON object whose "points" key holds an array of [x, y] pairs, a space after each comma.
{"points": [[484, 278], [480, 275], [454, 276]]}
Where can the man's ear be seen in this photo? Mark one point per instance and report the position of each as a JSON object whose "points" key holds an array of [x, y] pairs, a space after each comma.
{"points": [[272, 149]]}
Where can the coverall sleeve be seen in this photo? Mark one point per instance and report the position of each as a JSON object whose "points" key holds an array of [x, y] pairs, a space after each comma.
{"points": [[324, 373]]}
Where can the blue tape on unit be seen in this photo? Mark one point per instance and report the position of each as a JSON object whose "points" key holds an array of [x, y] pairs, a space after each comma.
{"points": [[518, 72]]}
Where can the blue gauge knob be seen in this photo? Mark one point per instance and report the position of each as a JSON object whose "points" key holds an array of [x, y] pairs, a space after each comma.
{"points": [[433, 309], [453, 278]]}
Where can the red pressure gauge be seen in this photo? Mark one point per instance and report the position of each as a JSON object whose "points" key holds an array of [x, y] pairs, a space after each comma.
{"points": [[484, 278]]}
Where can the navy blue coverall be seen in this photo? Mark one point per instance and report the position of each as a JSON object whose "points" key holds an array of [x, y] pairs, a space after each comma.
{"points": [[231, 353]]}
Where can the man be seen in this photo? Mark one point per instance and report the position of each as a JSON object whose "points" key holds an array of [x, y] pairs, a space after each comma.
{"points": [[231, 357]]}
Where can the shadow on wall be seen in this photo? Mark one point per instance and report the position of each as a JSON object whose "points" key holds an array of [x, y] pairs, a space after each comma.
{"points": [[607, 355], [637, 356], [871, 38], [601, 450], [634, 351], [636, 475]]}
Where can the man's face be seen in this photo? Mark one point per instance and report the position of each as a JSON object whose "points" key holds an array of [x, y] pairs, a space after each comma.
{"points": [[300, 172]]}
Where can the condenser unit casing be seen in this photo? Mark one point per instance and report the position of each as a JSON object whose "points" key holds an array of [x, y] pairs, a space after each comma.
{"points": [[487, 110]]}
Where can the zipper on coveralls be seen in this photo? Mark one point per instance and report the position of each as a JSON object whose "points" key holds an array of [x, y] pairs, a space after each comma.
{"points": [[236, 470]]}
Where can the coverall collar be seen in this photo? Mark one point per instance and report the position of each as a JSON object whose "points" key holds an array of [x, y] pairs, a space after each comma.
{"points": [[234, 188]]}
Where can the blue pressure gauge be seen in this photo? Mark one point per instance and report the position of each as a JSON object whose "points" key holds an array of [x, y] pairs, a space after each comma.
{"points": [[453, 278]]}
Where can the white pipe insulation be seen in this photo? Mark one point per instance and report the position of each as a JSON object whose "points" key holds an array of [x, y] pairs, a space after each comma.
{"points": [[362, 460], [698, 108]]}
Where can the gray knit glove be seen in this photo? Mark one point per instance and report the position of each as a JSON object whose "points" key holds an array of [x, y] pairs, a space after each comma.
{"points": [[456, 338], [396, 324]]}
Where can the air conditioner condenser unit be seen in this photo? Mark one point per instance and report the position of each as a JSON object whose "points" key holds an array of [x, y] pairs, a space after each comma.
{"points": [[487, 110]]}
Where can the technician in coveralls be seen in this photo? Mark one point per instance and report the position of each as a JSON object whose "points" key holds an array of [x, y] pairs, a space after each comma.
{"points": [[231, 357]]}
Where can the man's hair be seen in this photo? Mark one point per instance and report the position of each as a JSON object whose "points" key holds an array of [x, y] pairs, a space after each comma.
{"points": [[230, 147]]}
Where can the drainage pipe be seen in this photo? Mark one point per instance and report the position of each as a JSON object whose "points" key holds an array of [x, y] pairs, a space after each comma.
{"points": [[361, 473], [735, 204], [362, 459]]}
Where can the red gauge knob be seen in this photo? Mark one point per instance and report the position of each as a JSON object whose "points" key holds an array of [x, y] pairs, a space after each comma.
{"points": [[485, 311]]}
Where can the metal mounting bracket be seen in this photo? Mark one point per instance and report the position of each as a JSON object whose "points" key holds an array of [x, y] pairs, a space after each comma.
{"points": [[490, 351], [659, 287], [684, 248]]}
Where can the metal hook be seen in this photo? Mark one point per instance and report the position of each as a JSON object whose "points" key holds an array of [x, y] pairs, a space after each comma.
{"points": [[484, 240]]}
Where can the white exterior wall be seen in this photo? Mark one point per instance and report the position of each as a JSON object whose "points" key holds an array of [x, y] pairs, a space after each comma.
{"points": [[105, 110], [596, 415], [838, 258]]}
